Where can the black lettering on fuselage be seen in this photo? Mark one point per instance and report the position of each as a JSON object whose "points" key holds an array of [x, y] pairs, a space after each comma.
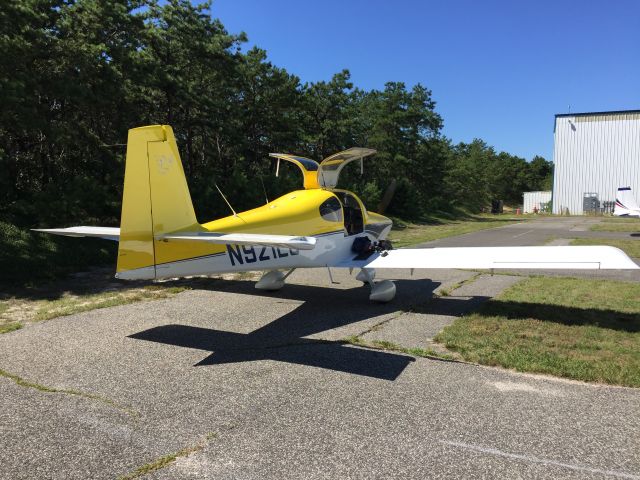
{"points": [[241, 254], [234, 253], [249, 254], [263, 256]]}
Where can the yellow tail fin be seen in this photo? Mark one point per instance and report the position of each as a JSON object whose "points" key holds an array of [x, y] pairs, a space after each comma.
{"points": [[155, 200]]}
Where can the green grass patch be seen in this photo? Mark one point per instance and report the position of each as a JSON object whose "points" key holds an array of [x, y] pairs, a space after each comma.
{"points": [[405, 234], [630, 227], [630, 247], [10, 327], [582, 329], [27, 257], [76, 304], [619, 220]]}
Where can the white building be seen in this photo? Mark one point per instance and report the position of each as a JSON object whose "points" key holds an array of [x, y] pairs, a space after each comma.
{"points": [[593, 155], [534, 202]]}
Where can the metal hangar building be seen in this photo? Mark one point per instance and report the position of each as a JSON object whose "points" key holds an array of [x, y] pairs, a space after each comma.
{"points": [[594, 154]]}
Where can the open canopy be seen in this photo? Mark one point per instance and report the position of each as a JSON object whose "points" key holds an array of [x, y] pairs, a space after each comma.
{"points": [[308, 167], [330, 167], [326, 173]]}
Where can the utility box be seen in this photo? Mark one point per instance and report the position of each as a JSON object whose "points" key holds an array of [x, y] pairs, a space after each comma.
{"points": [[590, 203]]}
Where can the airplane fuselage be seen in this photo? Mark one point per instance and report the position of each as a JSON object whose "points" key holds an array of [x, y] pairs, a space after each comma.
{"points": [[334, 217]]}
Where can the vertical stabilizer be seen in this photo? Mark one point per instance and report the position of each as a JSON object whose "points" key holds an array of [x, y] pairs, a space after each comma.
{"points": [[155, 200], [626, 204]]}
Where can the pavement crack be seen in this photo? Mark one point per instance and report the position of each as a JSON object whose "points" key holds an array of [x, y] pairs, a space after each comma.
{"points": [[78, 393], [168, 459], [392, 347], [379, 325], [445, 292], [544, 461]]}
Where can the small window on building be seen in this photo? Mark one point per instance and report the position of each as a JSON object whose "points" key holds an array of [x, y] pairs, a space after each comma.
{"points": [[331, 210]]}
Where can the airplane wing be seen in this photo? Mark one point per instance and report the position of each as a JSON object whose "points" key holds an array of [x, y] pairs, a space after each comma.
{"points": [[108, 233], [581, 257], [282, 241]]}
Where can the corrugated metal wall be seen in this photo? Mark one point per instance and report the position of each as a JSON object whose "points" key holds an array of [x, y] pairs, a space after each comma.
{"points": [[533, 200], [595, 153]]}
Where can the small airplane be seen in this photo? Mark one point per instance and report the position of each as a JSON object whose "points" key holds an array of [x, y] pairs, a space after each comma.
{"points": [[626, 205], [318, 226]]}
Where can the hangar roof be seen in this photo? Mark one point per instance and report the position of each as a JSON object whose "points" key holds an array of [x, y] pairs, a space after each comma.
{"points": [[588, 114]]}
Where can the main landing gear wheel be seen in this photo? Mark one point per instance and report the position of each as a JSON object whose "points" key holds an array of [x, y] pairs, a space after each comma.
{"points": [[381, 292]]}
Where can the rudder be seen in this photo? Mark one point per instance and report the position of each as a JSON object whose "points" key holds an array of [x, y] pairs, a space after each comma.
{"points": [[155, 199], [626, 204]]}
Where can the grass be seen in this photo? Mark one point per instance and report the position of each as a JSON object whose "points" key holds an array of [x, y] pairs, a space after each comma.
{"points": [[405, 234], [166, 460], [582, 329], [16, 312], [10, 327], [76, 304], [617, 226], [630, 247], [619, 220]]}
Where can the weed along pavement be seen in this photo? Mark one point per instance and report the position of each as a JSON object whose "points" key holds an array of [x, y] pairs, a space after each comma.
{"points": [[313, 381]]}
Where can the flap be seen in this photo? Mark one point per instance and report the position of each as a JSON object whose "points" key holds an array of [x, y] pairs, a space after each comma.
{"points": [[281, 241]]}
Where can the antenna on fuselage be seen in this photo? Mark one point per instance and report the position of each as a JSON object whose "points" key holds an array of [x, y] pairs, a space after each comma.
{"points": [[266, 198], [225, 199]]}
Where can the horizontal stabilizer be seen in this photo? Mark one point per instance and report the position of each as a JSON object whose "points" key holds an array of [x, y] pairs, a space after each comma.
{"points": [[582, 257], [281, 241], [108, 233]]}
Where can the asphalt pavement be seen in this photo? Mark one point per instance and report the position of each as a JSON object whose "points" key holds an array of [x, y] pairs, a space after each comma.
{"points": [[262, 386]]}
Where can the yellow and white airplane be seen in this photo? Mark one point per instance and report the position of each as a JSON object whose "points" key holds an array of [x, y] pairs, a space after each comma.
{"points": [[318, 226]]}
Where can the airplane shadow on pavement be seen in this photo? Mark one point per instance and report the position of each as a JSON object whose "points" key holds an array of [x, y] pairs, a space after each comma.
{"points": [[286, 338]]}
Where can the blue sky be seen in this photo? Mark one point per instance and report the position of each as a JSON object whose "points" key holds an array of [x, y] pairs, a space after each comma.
{"points": [[498, 70]]}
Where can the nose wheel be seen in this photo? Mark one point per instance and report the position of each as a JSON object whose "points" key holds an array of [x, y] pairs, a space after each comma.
{"points": [[381, 292]]}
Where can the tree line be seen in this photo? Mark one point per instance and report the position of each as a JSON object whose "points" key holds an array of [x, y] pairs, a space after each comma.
{"points": [[75, 75]]}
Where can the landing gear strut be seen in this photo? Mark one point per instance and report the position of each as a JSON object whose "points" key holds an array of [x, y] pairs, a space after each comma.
{"points": [[273, 280], [383, 291]]}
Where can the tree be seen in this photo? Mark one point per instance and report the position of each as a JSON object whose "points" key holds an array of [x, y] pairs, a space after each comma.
{"points": [[75, 75]]}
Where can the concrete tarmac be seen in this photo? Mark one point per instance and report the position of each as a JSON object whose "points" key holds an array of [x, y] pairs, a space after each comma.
{"points": [[262, 386]]}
